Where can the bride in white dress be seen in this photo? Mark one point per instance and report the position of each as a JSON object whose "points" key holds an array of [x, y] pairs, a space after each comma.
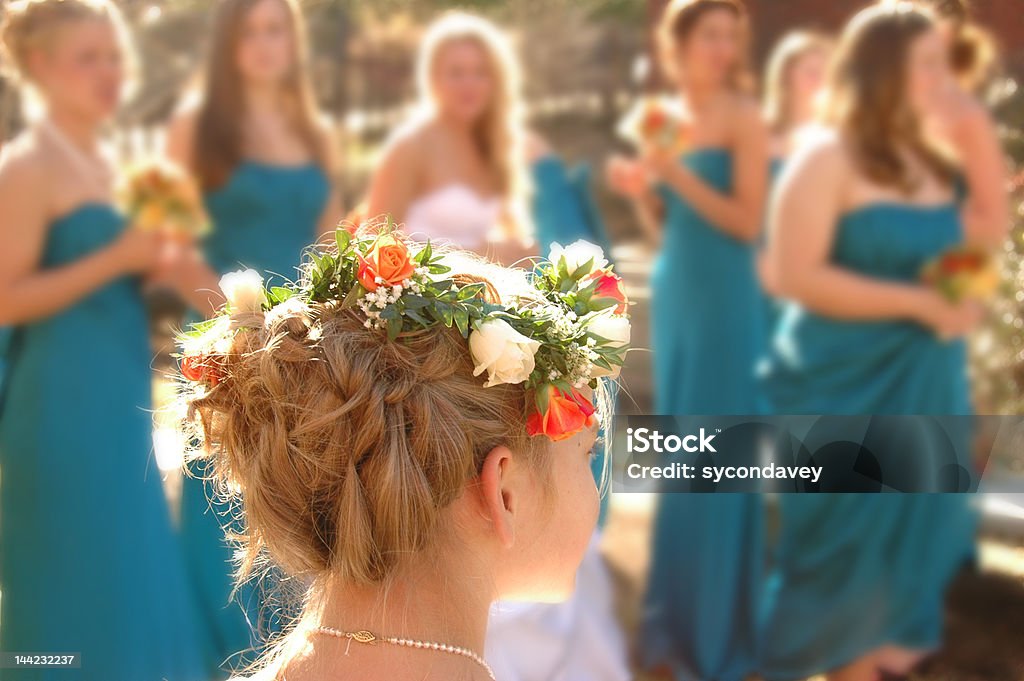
{"points": [[457, 173]]}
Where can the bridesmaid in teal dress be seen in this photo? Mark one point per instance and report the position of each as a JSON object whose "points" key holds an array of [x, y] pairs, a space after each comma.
{"points": [[862, 336], [89, 562], [700, 611], [264, 162]]}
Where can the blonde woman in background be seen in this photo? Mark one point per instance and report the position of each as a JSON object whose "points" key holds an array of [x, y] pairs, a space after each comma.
{"points": [[88, 558], [793, 86], [457, 170], [793, 83]]}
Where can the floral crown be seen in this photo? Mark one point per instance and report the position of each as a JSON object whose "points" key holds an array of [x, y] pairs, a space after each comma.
{"points": [[572, 331]]}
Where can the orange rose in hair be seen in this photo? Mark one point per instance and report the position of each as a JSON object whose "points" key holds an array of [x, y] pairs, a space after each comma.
{"points": [[566, 414], [388, 261]]}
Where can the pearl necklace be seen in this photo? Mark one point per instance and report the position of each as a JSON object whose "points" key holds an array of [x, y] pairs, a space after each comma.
{"points": [[363, 636]]}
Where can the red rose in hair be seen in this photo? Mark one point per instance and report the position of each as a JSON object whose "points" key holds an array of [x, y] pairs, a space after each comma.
{"points": [[566, 414], [388, 260], [609, 285]]}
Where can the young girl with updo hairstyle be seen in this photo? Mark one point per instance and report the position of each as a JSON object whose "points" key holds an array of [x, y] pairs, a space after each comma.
{"points": [[705, 209], [457, 169], [384, 475], [88, 560]]}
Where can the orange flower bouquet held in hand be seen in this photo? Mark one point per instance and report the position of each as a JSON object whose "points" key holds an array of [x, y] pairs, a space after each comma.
{"points": [[963, 273], [655, 123], [159, 196], [570, 328]]}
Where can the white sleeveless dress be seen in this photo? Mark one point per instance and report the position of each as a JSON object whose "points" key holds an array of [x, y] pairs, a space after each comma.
{"points": [[454, 214]]}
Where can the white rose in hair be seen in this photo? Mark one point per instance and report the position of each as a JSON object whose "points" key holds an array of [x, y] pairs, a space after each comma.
{"points": [[243, 291], [504, 353], [614, 328], [577, 254]]}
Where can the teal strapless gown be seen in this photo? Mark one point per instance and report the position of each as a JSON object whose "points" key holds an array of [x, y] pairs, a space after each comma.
{"points": [[263, 217], [88, 559], [700, 611], [564, 211], [855, 571]]}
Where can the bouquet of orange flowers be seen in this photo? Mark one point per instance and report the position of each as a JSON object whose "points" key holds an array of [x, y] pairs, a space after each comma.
{"points": [[962, 273], [158, 195], [655, 122]]}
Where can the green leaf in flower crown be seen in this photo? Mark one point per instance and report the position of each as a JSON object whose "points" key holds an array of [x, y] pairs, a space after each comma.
{"points": [[563, 386], [445, 313], [342, 238], [353, 295], [471, 291], [598, 304], [394, 328], [423, 257], [414, 302], [278, 294], [416, 317], [438, 269], [540, 397], [583, 270], [462, 321], [196, 329]]}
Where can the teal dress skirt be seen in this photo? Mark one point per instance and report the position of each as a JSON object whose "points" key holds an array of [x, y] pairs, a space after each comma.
{"points": [[263, 218], [89, 562], [700, 612], [853, 572], [564, 211]]}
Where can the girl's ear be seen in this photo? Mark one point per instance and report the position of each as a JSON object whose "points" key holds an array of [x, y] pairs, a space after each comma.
{"points": [[498, 495]]}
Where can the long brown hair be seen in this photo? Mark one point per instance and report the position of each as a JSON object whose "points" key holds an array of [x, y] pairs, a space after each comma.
{"points": [[680, 18], [218, 141], [867, 96]]}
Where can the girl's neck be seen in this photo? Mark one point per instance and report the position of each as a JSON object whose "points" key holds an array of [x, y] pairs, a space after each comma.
{"points": [[803, 112], [424, 607], [264, 99], [82, 133], [699, 95], [455, 125]]}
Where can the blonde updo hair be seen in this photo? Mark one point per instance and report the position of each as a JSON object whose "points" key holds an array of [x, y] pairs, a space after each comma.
{"points": [[343, 447], [30, 25]]}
